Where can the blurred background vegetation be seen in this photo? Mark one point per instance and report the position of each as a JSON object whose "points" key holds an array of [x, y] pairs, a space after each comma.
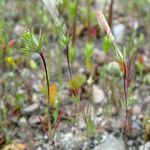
{"points": [[21, 78]]}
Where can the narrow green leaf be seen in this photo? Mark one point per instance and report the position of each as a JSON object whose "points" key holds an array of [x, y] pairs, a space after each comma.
{"points": [[90, 127], [106, 44]]}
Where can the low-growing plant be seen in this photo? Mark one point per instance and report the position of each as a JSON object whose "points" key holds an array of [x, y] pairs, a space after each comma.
{"points": [[88, 57], [34, 45], [125, 62]]}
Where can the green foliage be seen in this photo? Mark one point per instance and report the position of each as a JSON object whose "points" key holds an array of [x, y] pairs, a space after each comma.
{"points": [[75, 100], [89, 51], [108, 111], [90, 126], [147, 79], [32, 43], [140, 68], [64, 39], [77, 81], [141, 38], [72, 54], [4, 113], [129, 103], [119, 55], [107, 44], [72, 10], [83, 11], [57, 108], [20, 99]]}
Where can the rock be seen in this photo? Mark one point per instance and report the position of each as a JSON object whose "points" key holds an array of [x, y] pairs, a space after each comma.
{"points": [[34, 119], [99, 111], [137, 109], [115, 124], [136, 129], [35, 56], [147, 79], [2, 104], [100, 4], [30, 109], [18, 29], [98, 95], [35, 98], [39, 148], [37, 86], [98, 120], [130, 142], [99, 56], [113, 68], [14, 119], [119, 32], [146, 147], [132, 148], [110, 143], [25, 73], [81, 123], [105, 124], [47, 146], [64, 95], [69, 141], [22, 122]]}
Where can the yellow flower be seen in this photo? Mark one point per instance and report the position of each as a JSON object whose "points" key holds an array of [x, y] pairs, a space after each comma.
{"points": [[32, 64], [10, 60], [53, 94]]}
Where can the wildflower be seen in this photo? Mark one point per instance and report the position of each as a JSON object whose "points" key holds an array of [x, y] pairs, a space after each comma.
{"points": [[104, 25], [53, 94], [11, 62], [32, 64], [90, 81]]}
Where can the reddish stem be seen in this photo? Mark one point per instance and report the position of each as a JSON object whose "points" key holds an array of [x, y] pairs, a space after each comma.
{"points": [[68, 61], [110, 13], [44, 129], [58, 121], [88, 20], [126, 111], [74, 25], [48, 92]]}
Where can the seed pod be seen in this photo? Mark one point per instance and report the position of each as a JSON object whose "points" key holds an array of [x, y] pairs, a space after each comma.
{"points": [[104, 25]]}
